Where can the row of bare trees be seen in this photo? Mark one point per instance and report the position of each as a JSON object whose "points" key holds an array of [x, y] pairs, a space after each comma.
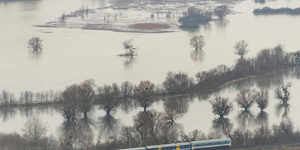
{"points": [[246, 98], [149, 129], [266, 61], [27, 99]]}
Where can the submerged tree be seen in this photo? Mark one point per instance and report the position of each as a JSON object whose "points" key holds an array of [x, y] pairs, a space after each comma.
{"points": [[177, 83], [283, 93], [173, 112], [69, 102], [85, 95], [222, 11], [128, 46], [197, 42], [221, 106], [241, 48], [7, 99], [109, 98], [143, 93], [35, 44], [126, 93], [246, 98], [262, 99]]}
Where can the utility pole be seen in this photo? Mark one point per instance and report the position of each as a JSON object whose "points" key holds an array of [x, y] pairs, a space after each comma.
{"points": [[244, 132]]}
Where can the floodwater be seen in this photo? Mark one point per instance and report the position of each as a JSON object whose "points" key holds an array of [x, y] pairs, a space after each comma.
{"points": [[73, 55]]}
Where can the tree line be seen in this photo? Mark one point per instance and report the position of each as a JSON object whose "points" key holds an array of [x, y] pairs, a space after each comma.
{"points": [[154, 131], [144, 94]]}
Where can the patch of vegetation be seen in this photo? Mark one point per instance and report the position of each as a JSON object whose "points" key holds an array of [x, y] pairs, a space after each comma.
{"points": [[149, 26], [193, 21], [268, 10], [260, 1]]}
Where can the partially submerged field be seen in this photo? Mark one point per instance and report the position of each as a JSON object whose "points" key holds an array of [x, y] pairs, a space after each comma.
{"points": [[131, 16]]}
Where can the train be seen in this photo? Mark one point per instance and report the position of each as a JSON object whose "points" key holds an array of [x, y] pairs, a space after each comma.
{"points": [[193, 145]]}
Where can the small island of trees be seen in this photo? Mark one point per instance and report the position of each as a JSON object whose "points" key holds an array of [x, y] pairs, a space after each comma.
{"points": [[35, 44]]}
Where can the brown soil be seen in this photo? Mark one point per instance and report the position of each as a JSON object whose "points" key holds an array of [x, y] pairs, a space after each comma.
{"points": [[149, 26]]}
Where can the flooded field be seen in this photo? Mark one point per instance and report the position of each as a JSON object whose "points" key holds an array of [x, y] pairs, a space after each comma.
{"points": [[71, 56]]}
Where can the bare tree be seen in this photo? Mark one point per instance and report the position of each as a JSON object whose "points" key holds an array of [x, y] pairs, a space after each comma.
{"points": [[173, 112], [34, 130], [109, 98], [278, 53], [262, 99], [126, 92], [195, 135], [143, 93], [7, 99], [221, 106], [201, 76], [86, 94], [69, 102], [26, 98], [241, 48], [128, 46], [283, 93], [246, 98], [222, 11], [177, 83], [35, 44], [261, 134], [197, 42]]}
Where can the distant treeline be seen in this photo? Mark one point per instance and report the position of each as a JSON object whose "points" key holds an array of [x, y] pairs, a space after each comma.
{"points": [[268, 10]]}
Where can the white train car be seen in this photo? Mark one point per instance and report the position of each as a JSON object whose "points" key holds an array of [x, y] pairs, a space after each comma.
{"points": [[210, 143], [194, 145]]}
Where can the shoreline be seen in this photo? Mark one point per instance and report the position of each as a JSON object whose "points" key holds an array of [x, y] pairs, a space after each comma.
{"points": [[158, 96], [107, 29]]}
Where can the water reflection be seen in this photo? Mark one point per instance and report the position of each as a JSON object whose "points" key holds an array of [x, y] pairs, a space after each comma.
{"points": [[206, 96], [84, 127], [68, 131], [262, 119], [221, 23], [128, 104], [220, 125], [282, 109], [46, 109], [6, 114], [180, 103], [262, 82], [191, 31], [197, 56], [35, 55], [109, 126], [26, 111], [296, 72], [73, 130], [207, 26], [245, 117], [128, 63]]}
